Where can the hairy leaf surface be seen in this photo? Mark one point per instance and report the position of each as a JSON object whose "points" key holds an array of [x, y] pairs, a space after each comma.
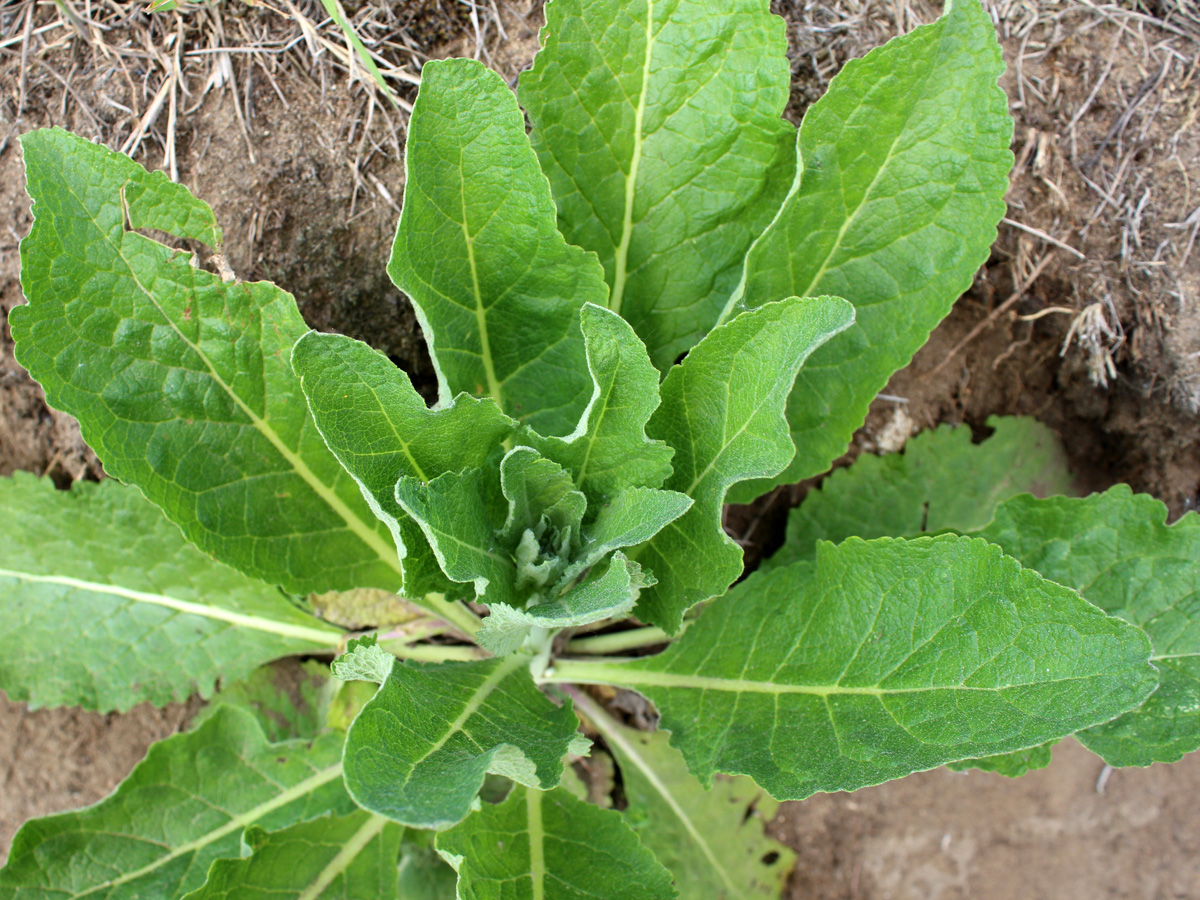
{"points": [[722, 412], [904, 166], [884, 658], [540, 845], [1117, 550], [184, 806], [658, 124], [104, 604], [609, 449], [941, 481], [419, 750], [495, 286], [330, 858], [711, 840], [181, 382], [379, 429]]}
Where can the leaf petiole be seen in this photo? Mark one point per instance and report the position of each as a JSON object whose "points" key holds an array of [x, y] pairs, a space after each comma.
{"points": [[615, 642]]}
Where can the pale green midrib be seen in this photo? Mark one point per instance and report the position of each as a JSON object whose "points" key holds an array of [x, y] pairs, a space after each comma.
{"points": [[349, 852], [249, 817], [506, 668], [257, 623], [485, 348], [635, 160], [364, 532], [609, 729], [615, 673], [537, 843]]}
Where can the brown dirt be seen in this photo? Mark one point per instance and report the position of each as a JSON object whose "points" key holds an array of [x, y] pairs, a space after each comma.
{"points": [[314, 211]]}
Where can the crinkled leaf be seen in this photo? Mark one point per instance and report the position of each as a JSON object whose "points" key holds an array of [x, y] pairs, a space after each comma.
{"points": [[330, 858], [547, 845], [495, 286], [537, 488], [104, 604], [1010, 765], [182, 382], [379, 428], [884, 658], [941, 481], [1117, 550], [905, 166], [288, 700], [612, 594], [658, 124], [419, 750], [722, 411], [184, 806], [712, 841], [609, 449]]}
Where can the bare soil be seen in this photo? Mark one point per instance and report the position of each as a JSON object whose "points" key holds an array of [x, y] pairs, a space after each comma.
{"points": [[303, 170]]}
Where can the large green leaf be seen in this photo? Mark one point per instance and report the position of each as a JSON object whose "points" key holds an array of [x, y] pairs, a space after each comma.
{"points": [[379, 428], [103, 604], [941, 481], [330, 858], [609, 449], [495, 286], [551, 846], [658, 124], [184, 806], [418, 752], [884, 658], [181, 382], [711, 840], [904, 168], [1117, 550], [722, 411]]}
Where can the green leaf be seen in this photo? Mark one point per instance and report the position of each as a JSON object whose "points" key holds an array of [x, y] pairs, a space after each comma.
{"points": [[328, 858], [103, 604], [941, 481], [712, 841], [496, 288], [539, 492], [722, 411], [612, 594], [184, 806], [1117, 550], [905, 164], [288, 700], [379, 429], [884, 658], [1010, 765], [423, 874], [539, 845], [419, 750], [658, 124], [609, 450], [181, 382]]}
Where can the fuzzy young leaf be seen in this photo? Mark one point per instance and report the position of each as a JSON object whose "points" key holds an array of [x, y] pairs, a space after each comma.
{"points": [[609, 449], [1117, 550], [884, 658], [659, 125], [495, 286], [184, 806], [180, 382], [539, 845], [722, 411], [905, 164], [379, 428], [711, 840], [105, 604], [329, 858], [418, 752], [941, 481]]}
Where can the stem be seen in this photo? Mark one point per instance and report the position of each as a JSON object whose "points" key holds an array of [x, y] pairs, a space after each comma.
{"points": [[452, 611], [432, 652], [586, 671], [617, 641]]}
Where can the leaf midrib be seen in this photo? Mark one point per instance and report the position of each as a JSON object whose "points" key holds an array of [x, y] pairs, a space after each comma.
{"points": [[341, 862], [243, 620], [537, 843]]}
